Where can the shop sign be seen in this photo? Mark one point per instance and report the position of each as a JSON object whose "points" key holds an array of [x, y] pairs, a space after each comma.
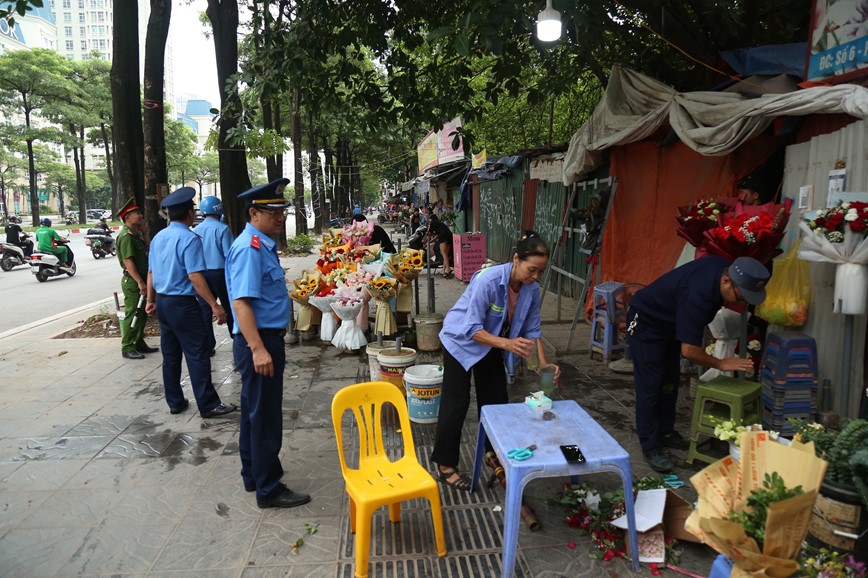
{"points": [[838, 45]]}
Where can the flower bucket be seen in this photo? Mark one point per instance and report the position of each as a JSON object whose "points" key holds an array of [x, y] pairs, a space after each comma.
{"points": [[121, 316], [839, 521], [423, 392], [372, 351], [428, 326], [393, 364]]}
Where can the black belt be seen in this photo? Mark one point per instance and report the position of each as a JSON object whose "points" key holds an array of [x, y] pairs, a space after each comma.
{"points": [[269, 331]]}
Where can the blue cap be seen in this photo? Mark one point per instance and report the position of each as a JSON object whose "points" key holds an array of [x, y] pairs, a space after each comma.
{"points": [[751, 277], [179, 197], [267, 196]]}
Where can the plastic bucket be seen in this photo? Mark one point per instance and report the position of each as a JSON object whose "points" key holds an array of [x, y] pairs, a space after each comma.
{"points": [[373, 350], [121, 316], [428, 326], [393, 364], [423, 392]]}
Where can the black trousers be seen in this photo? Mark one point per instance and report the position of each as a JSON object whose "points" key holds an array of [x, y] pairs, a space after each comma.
{"points": [[489, 375], [216, 280]]}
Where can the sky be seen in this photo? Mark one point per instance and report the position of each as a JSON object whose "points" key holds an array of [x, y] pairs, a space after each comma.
{"points": [[195, 67]]}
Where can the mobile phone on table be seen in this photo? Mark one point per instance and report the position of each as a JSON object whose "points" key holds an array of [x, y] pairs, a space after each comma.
{"points": [[573, 454]]}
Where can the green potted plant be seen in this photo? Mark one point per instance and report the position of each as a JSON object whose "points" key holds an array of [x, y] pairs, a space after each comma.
{"points": [[841, 512]]}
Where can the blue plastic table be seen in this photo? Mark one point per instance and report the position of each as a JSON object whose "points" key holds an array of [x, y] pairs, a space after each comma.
{"points": [[513, 425]]}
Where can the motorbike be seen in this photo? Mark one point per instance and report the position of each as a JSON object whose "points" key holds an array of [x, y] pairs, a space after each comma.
{"points": [[45, 265], [12, 256], [419, 239], [101, 242], [390, 216]]}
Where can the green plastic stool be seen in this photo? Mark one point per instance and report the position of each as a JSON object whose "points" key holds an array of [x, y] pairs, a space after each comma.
{"points": [[722, 399]]}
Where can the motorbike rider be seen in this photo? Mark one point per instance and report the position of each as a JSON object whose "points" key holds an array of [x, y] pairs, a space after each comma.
{"points": [[15, 235], [107, 233], [50, 242]]}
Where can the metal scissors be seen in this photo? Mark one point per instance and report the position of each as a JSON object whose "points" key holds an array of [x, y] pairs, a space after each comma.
{"points": [[521, 454]]}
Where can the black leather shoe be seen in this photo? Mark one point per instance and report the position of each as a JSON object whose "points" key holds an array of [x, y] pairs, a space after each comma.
{"points": [[132, 355], [675, 441], [658, 460], [176, 410], [249, 487], [212, 353], [221, 409], [145, 348], [285, 499]]}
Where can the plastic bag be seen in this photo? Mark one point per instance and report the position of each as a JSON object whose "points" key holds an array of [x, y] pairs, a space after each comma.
{"points": [[788, 292]]}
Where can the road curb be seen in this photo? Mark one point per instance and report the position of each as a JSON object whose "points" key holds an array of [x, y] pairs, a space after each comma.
{"points": [[53, 318]]}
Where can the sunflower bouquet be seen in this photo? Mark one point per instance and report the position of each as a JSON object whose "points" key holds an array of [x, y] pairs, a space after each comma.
{"points": [[404, 266], [382, 289], [332, 238], [307, 286]]}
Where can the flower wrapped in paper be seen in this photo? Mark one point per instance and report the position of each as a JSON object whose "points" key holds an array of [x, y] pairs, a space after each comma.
{"points": [[332, 258], [348, 336], [359, 232], [354, 285], [838, 235], [333, 238], [328, 324], [693, 220], [725, 487], [750, 235], [382, 289], [404, 267], [301, 291], [362, 254]]}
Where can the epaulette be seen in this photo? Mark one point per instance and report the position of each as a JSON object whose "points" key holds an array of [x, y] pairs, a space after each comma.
{"points": [[254, 241]]}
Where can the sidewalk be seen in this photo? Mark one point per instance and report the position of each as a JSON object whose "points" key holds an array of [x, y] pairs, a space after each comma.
{"points": [[97, 478]]}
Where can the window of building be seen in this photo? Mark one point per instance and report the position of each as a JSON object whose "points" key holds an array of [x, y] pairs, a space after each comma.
{"points": [[70, 45], [81, 17], [84, 45], [70, 55], [81, 4], [82, 31], [67, 16], [67, 30], [67, 3]]}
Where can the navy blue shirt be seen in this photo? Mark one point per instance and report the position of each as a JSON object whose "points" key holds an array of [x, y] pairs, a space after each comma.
{"points": [[253, 271], [176, 251], [681, 303]]}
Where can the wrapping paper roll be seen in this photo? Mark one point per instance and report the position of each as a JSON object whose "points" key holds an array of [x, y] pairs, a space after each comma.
{"points": [[851, 288]]}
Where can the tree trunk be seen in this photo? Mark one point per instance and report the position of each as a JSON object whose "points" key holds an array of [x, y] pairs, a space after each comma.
{"points": [[156, 174], [345, 186], [79, 180], [329, 181], [315, 191], [106, 143], [31, 167], [83, 175], [298, 175], [234, 180], [127, 103]]}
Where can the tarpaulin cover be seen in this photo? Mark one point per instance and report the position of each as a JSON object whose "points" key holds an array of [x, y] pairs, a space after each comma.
{"points": [[772, 60], [634, 106]]}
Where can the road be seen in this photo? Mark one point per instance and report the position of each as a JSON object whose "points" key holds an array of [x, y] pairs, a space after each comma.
{"points": [[25, 300]]}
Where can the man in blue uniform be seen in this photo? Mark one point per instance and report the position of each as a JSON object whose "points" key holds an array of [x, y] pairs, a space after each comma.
{"points": [[175, 278], [216, 242], [260, 301], [666, 321]]}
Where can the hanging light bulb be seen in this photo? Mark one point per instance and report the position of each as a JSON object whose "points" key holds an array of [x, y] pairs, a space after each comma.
{"points": [[548, 24]]}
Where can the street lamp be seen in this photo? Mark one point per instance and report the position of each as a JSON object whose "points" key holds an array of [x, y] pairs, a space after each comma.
{"points": [[548, 24]]}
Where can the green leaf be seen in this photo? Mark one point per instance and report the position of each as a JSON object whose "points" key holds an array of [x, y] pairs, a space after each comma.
{"points": [[461, 44], [440, 32]]}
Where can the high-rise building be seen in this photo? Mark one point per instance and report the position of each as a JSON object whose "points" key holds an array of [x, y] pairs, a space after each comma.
{"points": [[35, 30]]}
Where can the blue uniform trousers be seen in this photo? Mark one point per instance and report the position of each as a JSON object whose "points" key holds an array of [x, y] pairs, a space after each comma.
{"points": [[182, 330], [261, 434], [216, 280], [656, 373]]}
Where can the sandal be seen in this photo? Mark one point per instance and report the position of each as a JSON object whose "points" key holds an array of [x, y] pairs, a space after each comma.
{"points": [[462, 482], [448, 275]]}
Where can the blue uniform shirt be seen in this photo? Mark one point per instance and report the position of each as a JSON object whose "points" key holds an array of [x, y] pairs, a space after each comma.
{"points": [[682, 302], [216, 242], [176, 251], [483, 306], [253, 271]]}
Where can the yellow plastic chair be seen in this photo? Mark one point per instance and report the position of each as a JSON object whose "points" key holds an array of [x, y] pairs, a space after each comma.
{"points": [[378, 481]]}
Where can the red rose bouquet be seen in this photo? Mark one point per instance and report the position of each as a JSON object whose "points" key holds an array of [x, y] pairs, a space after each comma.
{"points": [[747, 235], [693, 220], [831, 223]]}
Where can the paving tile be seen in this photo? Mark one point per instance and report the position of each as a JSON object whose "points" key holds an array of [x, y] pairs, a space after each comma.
{"points": [[143, 445], [311, 440], [141, 473], [38, 475], [154, 505], [39, 552], [273, 542], [328, 496], [21, 410], [206, 546], [310, 464], [324, 570], [17, 505], [106, 550], [74, 508], [76, 408], [37, 427], [102, 424], [52, 448]]}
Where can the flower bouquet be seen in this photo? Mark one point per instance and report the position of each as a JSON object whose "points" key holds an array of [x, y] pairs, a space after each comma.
{"points": [[349, 336], [826, 563], [693, 220], [382, 290], [354, 284], [301, 292], [837, 235], [359, 232], [323, 301], [746, 235], [332, 258], [724, 328], [404, 267], [362, 254], [332, 239]]}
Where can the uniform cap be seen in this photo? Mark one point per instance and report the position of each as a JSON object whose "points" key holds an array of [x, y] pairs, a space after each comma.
{"points": [[751, 277], [267, 196], [129, 207], [179, 197]]}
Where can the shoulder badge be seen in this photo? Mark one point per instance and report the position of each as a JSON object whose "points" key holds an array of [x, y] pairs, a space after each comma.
{"points": [[254, 241]]}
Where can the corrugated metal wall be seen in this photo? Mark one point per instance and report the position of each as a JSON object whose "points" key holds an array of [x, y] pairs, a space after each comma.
{"points": [[809, 164], [500, 205]]}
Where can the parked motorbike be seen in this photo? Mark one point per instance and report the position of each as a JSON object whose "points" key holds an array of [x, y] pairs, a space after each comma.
{"points": [[45, 265], [419, 241], [12, 256], [101, 242], [390, 216]]}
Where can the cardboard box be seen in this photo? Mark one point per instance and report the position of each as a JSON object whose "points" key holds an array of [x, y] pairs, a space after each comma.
{"points": [[658, 512]]}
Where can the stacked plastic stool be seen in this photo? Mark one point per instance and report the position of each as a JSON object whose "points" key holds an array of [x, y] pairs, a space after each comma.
{"points": [[604, 326], [722, 399], [790, 380]]}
